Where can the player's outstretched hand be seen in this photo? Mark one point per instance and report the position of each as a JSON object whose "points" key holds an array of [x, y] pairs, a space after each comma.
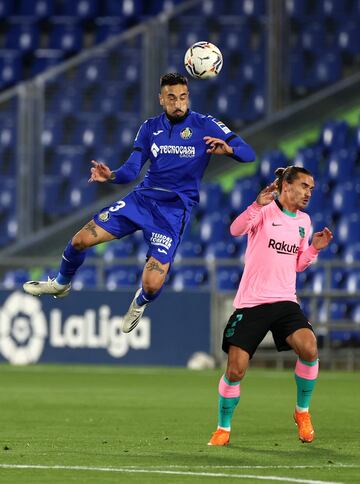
{"points": [[322, 239], [267, 195], [99, 172], [217, 146]]}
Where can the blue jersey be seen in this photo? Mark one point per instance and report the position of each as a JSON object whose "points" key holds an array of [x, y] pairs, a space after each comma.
{"points": [[177, 154]]}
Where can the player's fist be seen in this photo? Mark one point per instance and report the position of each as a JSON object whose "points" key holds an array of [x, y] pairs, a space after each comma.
{"points": [[99, 172]]}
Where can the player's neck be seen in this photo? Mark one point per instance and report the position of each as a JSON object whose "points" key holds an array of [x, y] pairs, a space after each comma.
{"points": [[286, 207]]}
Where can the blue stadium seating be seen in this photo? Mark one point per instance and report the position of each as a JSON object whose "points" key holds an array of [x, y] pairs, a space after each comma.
{"points": [[84, 9], [10, 67], [352, 282], [228, 278], [23, 36], [122, 276], [352, 253], [189, 248], [123, 248], [15, 278], [66, 35], [189, 277], [345, 198], [39, 9], [223, 249], [44, 59], [86, 277]]}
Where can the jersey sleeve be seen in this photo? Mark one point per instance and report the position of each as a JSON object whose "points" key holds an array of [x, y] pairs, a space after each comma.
{"points": [[242, 151], [140, 154], [247, 221]]}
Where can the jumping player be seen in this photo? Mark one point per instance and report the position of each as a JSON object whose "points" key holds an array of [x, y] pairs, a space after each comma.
{"points": [[179, 144], [277, 248]]}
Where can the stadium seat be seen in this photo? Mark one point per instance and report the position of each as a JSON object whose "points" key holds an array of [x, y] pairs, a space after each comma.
{"points": [[122, 276], [44, 59], [268, 164], [242, 197], [107, 27], [334, 135], [211, 196], [10, 67], [6, 8], [66, 35], [189, 248], [348, 37], [52, 131], [85, 278], [352, 283], [15, 278], [23, 36], [352, 253], [39, 9], [223, 249], [345, 198], [213, 228], [80, 195], [128, 9], [228, 278], [340, 165], [309, 158], [312, 37], [122, 248], [348, 229], [327, 69], [355, 314], [84, 9], [189, 277]]}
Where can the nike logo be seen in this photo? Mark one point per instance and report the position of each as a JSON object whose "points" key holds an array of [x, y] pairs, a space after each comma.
{"points": [[162, 251], [276, 225], [158, 132]]}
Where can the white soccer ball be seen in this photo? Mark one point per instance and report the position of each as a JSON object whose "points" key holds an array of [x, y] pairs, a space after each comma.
{"points": [[203, 60], [201, 361]]}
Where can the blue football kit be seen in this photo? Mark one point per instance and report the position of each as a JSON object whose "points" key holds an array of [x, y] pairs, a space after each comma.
{"points": [[160, 205]]}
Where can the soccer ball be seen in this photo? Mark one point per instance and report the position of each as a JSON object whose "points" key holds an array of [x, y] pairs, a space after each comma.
{"points": [[203, 60]]}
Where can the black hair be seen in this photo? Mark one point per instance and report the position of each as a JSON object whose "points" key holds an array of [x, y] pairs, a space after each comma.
{"points": [[173, 78], [289, 174]]}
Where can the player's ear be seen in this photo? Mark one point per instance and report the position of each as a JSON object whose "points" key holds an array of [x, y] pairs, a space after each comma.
{"points": [[161, 101]]}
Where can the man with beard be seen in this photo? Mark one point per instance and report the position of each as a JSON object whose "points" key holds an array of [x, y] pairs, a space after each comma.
{"points": [[179, 144]]}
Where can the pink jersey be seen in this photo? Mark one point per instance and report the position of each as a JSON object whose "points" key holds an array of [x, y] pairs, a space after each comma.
{"points": [[277, 248]]}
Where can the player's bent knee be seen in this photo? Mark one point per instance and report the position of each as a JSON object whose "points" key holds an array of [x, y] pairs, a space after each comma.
{"points": [[235, 373], [152, 287], [79, 243]]}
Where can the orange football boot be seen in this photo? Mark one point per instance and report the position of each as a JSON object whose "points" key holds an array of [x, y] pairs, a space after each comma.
{"points": [[220, 437], [305, 428]]}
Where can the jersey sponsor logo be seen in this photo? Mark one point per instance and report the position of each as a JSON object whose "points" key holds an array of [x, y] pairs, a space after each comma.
{"points": [[155, 149], [186, 133], [181, 151], [302, 232], [221, 126], [283, 247], [156, 133], [161, 240]]}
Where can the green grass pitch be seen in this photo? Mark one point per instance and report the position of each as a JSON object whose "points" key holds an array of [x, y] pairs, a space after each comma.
{"points": [[102, 424]]}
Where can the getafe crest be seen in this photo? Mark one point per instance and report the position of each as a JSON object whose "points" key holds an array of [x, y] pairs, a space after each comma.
{"points": [[186, 133], [104, 216]]}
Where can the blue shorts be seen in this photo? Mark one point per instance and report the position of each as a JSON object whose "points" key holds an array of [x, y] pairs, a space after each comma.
{"points": [[162, 222]]}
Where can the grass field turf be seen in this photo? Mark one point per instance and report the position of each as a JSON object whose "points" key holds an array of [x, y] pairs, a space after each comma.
{"points": [[101, 424]]}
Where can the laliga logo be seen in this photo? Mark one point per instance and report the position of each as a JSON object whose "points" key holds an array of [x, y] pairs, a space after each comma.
{"points": [[23, 329]]}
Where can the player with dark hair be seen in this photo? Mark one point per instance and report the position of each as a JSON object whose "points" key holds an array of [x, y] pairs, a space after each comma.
{"points": [[277, 248], [179, 144]]}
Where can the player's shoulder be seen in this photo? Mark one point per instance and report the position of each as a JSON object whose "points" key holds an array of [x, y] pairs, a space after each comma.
{"points": [[304, 217]]}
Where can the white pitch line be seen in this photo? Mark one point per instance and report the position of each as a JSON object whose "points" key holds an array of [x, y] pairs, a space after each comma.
{"points": [[154, 471]]}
